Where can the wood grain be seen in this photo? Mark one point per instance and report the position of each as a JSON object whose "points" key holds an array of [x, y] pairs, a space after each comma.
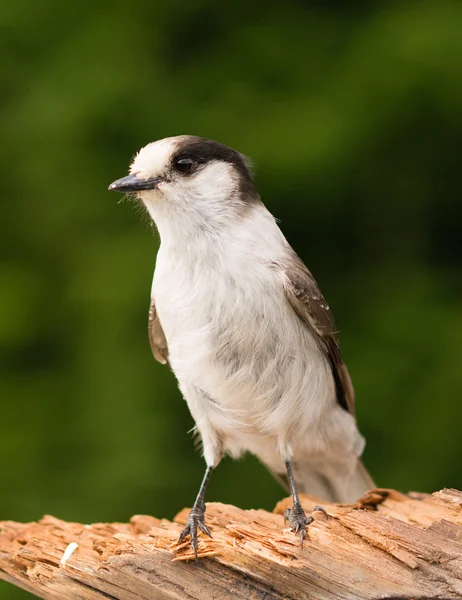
{"points": [[388, 545]]}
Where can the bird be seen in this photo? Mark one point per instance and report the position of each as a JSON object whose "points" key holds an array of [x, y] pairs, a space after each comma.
{"points": [[242, 323]]}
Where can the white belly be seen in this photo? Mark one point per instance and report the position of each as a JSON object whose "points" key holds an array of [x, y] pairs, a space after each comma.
{"points": [[237, 340]]}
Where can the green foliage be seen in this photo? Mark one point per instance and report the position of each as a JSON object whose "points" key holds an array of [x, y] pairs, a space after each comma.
{"points": [[353, 119]]}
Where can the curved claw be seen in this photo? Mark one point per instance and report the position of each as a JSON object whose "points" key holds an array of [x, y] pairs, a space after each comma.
{"points": [[203, 527], [298, 520], [196, 520], [321, 509]]}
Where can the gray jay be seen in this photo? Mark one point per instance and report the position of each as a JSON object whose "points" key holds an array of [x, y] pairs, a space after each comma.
{"points": [[244, 327]]}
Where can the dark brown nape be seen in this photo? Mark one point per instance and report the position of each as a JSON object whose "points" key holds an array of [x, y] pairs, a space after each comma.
{"points": [[203, 150]]}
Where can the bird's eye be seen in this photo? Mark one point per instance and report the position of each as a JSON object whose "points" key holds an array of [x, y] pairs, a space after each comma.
{"points": [[184, 164]]}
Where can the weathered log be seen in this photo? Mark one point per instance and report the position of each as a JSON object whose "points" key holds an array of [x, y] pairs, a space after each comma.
{"points": [[388, 545]]}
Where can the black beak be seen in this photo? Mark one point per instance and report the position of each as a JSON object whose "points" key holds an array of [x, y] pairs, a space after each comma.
{"points": [[132, 184]]}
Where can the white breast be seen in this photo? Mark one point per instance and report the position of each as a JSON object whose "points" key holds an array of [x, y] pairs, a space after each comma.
{"points": [[231, 333]]}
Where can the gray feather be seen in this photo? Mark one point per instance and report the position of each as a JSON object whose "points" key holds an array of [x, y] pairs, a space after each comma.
{"points": [[157, 338], [304, 296]]}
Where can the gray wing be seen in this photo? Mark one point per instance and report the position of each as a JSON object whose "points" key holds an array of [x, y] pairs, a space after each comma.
{"points": [[157, 336], [304, 296]]}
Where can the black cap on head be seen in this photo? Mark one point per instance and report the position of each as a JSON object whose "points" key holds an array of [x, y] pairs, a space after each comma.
{"points": [[202, 150]]}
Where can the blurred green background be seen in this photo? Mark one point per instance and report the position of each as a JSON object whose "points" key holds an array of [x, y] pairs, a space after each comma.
{"points": [[353, 117]]}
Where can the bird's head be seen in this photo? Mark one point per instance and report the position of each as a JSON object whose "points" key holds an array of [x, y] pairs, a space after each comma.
{"points": [[190, 177]]}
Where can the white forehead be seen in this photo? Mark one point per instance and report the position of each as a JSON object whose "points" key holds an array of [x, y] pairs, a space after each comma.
{"points": [[153, 158]]}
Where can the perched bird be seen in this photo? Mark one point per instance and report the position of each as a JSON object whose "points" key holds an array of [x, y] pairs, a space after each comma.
{"points": [[244, 327]]}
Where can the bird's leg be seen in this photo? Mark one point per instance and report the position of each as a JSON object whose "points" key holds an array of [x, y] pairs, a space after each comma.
{"points": [[296, 515], [196, 517]]}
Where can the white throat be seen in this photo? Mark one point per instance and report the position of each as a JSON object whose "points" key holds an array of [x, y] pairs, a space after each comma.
{"points": [[203, 206]]}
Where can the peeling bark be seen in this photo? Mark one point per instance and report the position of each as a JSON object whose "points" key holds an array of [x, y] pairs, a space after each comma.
{"points": [[388, 545]]}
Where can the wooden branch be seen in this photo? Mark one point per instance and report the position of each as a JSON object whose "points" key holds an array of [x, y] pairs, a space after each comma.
{"points": [[389, 545]]}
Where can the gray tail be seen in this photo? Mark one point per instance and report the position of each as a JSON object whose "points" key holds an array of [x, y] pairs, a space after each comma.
{"points": [[332, 482]]}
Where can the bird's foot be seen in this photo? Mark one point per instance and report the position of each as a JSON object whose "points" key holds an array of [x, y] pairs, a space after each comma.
{"points": [[196, 520], [298, 519]]}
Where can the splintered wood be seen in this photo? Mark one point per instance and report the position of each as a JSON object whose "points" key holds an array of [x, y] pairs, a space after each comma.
{"points": [[388, 545]]}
